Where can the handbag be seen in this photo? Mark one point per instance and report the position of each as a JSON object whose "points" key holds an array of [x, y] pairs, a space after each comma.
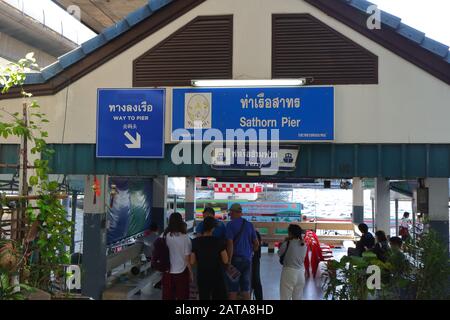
{"points": [[284, 253]]}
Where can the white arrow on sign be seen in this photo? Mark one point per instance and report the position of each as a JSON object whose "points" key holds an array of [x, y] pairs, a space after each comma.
{"points": [[135, 143]]}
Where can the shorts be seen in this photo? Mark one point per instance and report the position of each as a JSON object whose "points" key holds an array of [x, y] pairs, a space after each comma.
{"points": [[242, 284]]}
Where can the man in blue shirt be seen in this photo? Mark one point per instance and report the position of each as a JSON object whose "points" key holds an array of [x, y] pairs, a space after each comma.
{"points": [[219, 230], [241, 243]]}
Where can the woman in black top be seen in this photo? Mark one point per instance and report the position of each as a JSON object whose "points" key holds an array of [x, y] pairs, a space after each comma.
{"points": [[210, 255], [256, 277]]}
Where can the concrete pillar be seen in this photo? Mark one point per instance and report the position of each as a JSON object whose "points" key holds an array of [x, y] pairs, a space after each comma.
{"points": [[358, 201], [438, 191], [159, 206], [93, 278], [189, 202], [382, 205]]}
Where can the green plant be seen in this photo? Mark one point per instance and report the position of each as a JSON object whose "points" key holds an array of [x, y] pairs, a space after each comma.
{"points": [[347, 279], [398, 277], [432, 268], [8, 291], [47, 216], [12, 261], [421, 274]]}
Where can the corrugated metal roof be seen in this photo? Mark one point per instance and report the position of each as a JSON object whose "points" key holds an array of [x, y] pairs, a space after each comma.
{"points": [[65, 61], [395, 23]]}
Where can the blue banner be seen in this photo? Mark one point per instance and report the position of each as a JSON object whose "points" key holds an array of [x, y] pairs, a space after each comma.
{"points": [[300, 114], [270, 211], [130, 123], [129, 210]]}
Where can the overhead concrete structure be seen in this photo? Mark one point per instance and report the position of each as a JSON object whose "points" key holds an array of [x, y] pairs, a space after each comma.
{"points": [[101, 14], [21, 34]]}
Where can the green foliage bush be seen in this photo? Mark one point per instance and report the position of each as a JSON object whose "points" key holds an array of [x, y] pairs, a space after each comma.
{"points": [[46, 254]]}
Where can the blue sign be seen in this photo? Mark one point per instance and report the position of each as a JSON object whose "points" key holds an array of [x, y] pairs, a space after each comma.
{"points": [[130, 123], [300, 114], [270, 211]]}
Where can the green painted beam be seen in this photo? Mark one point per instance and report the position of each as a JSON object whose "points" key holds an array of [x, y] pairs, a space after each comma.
{"points": [[316, 160]]}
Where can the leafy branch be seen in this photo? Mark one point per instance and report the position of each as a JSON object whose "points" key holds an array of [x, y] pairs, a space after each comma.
{"points": [[47, 218]]}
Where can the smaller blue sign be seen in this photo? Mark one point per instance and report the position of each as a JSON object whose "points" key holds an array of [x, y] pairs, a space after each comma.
{"points": [[130, 123]]}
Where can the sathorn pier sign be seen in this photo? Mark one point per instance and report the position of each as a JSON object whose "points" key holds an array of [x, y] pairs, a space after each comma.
{"points": [[298, 113], [130, 123]]}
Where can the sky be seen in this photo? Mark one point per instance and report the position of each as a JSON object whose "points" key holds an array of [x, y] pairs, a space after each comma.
{"points": [[429, 16]]}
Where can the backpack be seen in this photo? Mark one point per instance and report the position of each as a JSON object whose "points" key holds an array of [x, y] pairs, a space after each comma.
{"points": [[160, 257], [284, 254]]}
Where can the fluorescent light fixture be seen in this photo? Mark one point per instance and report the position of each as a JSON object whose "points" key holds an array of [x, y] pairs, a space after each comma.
{"points": [[249, 83]]}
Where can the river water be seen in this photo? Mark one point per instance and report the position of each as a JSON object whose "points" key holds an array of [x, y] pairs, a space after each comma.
{"points": [[330, 203]]}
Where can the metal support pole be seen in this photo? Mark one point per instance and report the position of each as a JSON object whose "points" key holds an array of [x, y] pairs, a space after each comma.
{"points": [[74, 218], [175, 205], [414, 226], [373, 214], [396, 217]]}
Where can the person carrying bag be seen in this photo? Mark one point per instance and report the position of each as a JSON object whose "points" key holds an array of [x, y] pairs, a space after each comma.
{"points": [[241, 243], [292, 254]]}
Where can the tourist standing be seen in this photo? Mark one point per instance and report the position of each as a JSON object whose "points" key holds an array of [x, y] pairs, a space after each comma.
{"points": [[210, 254], [292, 254], [176, 282], [404, 226], [219, 230], [241, 243], [256, 275], [419, 228]]}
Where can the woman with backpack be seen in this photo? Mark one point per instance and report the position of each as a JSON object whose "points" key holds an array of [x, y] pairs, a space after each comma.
{"points": [[292, 254], [175, 282]]}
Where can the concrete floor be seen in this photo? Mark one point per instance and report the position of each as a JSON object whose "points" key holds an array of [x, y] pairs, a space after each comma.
{"points": [[270, 278]]}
